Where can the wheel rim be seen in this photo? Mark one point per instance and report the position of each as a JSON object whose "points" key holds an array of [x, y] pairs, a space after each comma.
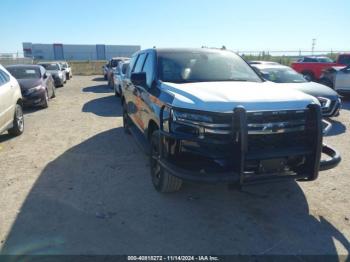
{"points": [[155, 167], [19, 118]]}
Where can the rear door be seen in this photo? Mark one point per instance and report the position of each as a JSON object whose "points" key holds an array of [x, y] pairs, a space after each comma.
{"points": [[6, 100]]}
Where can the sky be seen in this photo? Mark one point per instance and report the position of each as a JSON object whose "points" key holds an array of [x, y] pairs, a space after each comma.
{"points": [[240, 25]]}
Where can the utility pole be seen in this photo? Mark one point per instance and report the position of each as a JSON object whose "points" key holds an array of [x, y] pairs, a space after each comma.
{"points": [[313, 45]]}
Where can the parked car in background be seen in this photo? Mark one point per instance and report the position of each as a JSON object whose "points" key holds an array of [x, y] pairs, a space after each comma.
{"points": [[68, 70], [207, 116], [11, 104], [312, 67], [342, 81], [105, 71], [37, 86], [119, 76], [328, 75], [111, 69], [328, 98], [57, 72]]}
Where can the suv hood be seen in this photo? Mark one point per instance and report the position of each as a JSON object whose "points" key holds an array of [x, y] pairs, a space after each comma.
{"points": [[224, 96]]}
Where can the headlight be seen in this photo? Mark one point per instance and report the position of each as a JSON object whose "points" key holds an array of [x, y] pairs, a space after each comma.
{"points": [[187, 123], [34, 89], [60, 74], [184, 116], [325, 102]]}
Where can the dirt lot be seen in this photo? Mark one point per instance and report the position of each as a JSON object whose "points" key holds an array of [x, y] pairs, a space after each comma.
{"points": [[74, 183]]}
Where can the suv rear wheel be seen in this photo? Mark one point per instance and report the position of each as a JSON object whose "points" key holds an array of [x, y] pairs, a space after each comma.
{"points": [[162, 181]]}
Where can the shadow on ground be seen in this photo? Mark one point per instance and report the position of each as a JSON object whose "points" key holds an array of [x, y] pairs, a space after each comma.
{"points": [[97, 198], [100, 89], [5, 137], [108, 106], [98, 79], [337, 127]]}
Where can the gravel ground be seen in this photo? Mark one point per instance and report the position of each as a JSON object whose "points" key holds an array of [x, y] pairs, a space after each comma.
{"points": [[74, 183]]}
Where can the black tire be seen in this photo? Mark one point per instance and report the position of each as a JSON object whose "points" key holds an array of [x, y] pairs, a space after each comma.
{"points": [[46, 101], [18, 122], [126, 120], [67, 77], [162, 181]]}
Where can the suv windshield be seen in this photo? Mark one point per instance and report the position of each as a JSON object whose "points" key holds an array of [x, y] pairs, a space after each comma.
{"points": [[192, 66], [50, 66], [282, 75], [24, 73]]}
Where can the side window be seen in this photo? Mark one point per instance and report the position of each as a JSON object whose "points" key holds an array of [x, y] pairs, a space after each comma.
{"points": [[2, 80], [4, 77], [148, 68], [139, 63], [125, 69], [131, 66]]}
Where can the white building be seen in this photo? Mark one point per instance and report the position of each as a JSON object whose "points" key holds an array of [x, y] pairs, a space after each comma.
{"points": [[77, 52]]}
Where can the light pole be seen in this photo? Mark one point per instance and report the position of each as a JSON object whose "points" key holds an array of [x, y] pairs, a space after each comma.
{"points": [[313, 46]]}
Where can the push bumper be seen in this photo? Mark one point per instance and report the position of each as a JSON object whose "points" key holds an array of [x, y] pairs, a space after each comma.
{"points": [[238, 175]]}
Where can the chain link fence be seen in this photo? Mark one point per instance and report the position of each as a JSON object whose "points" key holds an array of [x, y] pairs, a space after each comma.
{"points": [[14, 58]]}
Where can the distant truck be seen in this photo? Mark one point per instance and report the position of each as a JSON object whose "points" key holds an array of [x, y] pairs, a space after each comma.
{"points": [[312, 67]]}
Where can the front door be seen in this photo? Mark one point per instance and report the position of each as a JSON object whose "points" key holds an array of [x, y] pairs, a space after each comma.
{"points": [[6, 100]]}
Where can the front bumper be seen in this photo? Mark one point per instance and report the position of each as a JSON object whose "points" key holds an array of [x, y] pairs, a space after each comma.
{"points": [[34, 99], [58, 81], [233, 161]]}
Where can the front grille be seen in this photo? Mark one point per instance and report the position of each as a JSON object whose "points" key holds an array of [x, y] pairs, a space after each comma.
{"points": [[277, 132]]}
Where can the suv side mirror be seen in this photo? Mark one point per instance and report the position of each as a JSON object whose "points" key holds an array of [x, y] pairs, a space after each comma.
{"points": [[45, 76], [138, 79]]}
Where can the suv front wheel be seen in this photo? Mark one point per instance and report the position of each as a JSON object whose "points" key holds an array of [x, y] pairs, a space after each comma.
{"points": [[162, 181]]}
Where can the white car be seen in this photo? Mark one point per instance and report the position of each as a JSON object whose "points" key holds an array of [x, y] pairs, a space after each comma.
{"points": [[68, 69], [11, 113]]}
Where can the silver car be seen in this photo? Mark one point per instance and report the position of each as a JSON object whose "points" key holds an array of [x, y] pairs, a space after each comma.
{"points": [[342, 81], [119, 76]]}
